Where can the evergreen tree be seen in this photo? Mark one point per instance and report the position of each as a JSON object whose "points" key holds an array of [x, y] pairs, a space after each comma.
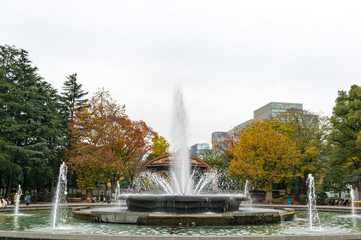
{"points": [[29, 124], [71, 100], [72, 97], [346, 136]]}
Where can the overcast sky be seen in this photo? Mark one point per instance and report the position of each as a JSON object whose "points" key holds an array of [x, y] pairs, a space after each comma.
{"points": [[230, 57]]}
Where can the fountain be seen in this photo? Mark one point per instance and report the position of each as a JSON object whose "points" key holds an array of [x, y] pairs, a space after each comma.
{"points": [[182, 194], [60, 195], [182, 201]]}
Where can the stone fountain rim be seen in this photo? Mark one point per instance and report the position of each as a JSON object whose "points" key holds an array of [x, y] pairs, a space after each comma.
{"points": [[184, 198]]}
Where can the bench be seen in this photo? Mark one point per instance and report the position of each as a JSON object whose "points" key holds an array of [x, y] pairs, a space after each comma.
{"points": [[71, 199], [357, 203]]}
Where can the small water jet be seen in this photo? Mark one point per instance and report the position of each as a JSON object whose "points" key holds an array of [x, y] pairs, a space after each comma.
{"points": [[312, 210], [117, 194], [60, 195], [246, 193], [17, 201], [352, 193]]}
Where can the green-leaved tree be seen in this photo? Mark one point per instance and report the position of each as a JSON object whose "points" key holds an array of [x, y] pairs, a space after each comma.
{"points": [[346, 135]]}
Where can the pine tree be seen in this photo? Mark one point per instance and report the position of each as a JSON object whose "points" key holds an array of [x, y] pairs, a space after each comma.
{"points": [[29, 124], [71, 100], [72, 97]]}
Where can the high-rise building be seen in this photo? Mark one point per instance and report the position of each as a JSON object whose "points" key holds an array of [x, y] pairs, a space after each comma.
{"points": [[239, 127], [272, 109], [218, 137], [198, 148]]}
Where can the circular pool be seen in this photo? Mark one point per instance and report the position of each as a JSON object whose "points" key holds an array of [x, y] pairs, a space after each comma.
{"points": [[39, 222]]}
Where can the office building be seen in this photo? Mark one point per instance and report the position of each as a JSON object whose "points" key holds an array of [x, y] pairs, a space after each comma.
{"points": [[272, 109], [239, 127], [198, 148], [218, 137]]}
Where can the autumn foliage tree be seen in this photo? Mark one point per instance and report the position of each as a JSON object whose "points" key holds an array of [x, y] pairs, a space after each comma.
{"points": [[106, 143], [160, 146], [262, 154]]}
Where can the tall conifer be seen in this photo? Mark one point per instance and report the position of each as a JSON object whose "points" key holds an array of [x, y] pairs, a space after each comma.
{"points": [[29, 122]]}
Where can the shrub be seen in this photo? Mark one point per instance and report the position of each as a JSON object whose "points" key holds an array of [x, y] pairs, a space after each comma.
{"points": [[321, 198]]}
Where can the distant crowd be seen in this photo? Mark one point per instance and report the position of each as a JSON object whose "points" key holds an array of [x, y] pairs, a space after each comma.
{"points": [[11, 200], [341, 202], [103, 198]]}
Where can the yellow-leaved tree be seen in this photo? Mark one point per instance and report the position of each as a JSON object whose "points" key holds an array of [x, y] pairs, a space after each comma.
{"points": [[262, 154], [160, 145]]}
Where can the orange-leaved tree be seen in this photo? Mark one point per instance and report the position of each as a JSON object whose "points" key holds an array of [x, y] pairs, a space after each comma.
{"points": [[105, 142], [262, 154], [133, 144]]}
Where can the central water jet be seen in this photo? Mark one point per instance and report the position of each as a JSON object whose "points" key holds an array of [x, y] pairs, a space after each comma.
{"points": [[180, 168]]}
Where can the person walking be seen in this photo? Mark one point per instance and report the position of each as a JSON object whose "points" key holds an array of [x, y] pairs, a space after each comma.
{"points": [[3, 202], [102, 197], [109, 198], [27, 199]]}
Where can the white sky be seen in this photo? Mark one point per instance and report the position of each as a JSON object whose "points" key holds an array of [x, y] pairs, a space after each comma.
{"points": [[230, 57]]}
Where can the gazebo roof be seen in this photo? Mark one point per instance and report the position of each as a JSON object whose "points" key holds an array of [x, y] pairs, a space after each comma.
{"points": [[164, 161]]}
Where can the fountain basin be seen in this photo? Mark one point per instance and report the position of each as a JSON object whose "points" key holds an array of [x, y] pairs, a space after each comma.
{"points": [[240, 217], [183, 203]]}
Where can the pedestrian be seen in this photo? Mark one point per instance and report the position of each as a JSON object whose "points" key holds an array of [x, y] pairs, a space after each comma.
{"points": [[102, 197], [109, 198], [27, 199], [15, 197], [3, 202]]}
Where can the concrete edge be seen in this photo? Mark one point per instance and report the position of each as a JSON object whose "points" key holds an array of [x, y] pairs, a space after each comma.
{"points": [[43, 236]]}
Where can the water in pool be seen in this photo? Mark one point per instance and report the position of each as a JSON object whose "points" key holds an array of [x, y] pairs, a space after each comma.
{"points": [[40, 221]]}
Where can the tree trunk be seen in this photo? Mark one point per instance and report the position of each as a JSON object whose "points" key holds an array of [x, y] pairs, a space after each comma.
{"points": [[1, 177], [25, 182], [268, 199], [358, 191], [304, 187], [9, 186], [89, 194], [38, 191]]}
